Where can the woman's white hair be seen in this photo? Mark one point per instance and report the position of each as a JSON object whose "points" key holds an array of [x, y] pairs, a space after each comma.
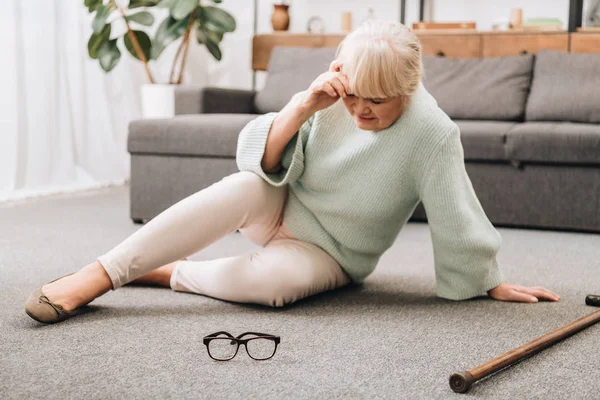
{"points": [[382, 59]]}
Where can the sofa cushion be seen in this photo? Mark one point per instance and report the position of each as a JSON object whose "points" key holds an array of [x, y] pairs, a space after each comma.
{"points": [[554, 142], [291, 70], [484, 140], [200, 134], [566, 87], [483, 89]]}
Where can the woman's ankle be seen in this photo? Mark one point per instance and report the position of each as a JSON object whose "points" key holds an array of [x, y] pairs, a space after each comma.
{"points": [[158, 277], [97, 277], [80, 288]]}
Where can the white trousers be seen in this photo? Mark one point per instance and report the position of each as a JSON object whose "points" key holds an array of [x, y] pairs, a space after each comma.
{"points": [[282, 271]]}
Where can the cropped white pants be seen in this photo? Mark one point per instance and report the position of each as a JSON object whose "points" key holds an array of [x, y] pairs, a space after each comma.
{"points": [[282, 271]]}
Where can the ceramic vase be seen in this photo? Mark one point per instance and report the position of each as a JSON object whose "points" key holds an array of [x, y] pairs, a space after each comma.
{"points": [[281, 17]]}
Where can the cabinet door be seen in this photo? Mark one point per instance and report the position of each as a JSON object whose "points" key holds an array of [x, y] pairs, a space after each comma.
{"points": [[456, 46], [500, 45], [263, 44], [585, 43]]}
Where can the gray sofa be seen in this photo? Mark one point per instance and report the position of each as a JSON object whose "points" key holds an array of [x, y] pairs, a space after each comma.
{"points": [[530, 128]]}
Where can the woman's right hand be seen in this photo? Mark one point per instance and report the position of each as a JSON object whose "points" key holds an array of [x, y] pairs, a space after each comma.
{"points": [[327, 89]]}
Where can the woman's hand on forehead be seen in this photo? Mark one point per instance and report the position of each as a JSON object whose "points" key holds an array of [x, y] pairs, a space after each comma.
{"points": [[326, 89], [337, 66]]}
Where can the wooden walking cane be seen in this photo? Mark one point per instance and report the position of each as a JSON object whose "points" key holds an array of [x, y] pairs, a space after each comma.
{"points": [[461, 382]]}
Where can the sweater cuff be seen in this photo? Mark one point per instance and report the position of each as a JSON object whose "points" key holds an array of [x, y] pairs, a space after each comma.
{"points": [[466, 290], [251, 149]]}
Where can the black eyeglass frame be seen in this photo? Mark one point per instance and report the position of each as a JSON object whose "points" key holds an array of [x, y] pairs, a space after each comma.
{"points": [[207, 339]]}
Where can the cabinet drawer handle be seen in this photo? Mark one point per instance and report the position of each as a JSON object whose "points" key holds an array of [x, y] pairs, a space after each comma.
{"points": [[523, 52], [440, 54]]}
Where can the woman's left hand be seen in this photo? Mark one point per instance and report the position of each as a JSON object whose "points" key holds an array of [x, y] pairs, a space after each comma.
{"points": [[511, 292]]}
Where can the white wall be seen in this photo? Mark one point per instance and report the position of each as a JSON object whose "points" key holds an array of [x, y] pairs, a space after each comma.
{"points": [[63, 121], [234, 70], [8, 85], [486, 12]]}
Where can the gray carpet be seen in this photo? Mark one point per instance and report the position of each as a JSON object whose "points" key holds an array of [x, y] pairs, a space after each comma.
{"points": [[390, 338]]}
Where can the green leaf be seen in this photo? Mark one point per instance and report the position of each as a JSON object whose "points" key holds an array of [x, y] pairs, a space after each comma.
{"points": [[142, 18], [218, 19], [215, 36], [92, 5], [214, 50], [100, 18], [210, 39], [168, 31], [166, 3], [144, 42], [109, 55], [96, 40], [142, 3], [203, 35], [183, 8]]}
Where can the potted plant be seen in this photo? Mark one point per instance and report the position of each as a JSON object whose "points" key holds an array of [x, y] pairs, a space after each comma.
{"points": [[186, 19]]}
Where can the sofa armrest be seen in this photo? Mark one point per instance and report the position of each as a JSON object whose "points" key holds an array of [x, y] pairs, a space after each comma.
{"points": [[209, 100]]}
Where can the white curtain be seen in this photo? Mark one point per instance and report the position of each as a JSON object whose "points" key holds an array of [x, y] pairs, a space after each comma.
{"points": [[63, 120]]}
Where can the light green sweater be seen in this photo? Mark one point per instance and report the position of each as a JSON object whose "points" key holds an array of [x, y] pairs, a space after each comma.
{"points": [[351, 191]]}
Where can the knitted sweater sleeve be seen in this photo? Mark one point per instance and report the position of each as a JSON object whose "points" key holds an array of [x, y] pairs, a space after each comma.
{"points": [[465, 242], [251, 149]]}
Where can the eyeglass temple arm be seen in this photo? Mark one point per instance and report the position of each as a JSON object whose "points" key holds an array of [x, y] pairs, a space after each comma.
{"points": [[277, 339], [216, 334], [256, 333]]}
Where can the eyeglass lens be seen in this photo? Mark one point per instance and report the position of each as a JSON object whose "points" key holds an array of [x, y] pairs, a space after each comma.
{"points": [[223, 348], [260, 348]]}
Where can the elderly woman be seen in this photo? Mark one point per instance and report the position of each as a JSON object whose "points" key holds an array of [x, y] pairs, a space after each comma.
{"points": [[325, 187]]}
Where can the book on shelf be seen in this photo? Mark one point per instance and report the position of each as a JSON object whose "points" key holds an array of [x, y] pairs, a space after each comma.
{"points": [[542, 24], [428, 25]]}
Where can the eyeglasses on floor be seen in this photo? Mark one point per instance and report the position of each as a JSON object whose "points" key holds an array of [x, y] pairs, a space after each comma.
{"points": [[223, 346]]}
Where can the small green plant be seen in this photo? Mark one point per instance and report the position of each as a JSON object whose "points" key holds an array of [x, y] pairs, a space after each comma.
{"points": [[207, 23]]}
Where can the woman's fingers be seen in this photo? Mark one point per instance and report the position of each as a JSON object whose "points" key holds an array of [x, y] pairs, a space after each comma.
{"points": [[346, 82], [515, 295], [338, 86], [335, 66], [538, 291], [546, 290], [334, 83], [542, 293], [327, 88], [512, 292]]}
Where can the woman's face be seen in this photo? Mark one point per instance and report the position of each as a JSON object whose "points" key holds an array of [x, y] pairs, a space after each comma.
{"points": [[374, 114]]}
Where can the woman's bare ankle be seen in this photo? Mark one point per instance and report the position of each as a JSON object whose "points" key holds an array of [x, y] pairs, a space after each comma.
{"points": [[159, 277], [80, 288]]}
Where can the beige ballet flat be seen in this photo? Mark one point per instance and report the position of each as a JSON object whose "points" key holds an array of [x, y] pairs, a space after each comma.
{"points": [[40, 308]]}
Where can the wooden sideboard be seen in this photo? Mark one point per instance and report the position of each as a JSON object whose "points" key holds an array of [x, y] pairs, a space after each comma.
{"points": [[263, 44], [493, 45], [449, 43], [583, 42]]}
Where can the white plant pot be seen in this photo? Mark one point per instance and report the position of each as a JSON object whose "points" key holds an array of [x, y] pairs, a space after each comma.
{"points": [[158, 100]]}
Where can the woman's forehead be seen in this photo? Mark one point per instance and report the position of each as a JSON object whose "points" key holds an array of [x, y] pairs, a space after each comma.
{"points": [[368, 81]]}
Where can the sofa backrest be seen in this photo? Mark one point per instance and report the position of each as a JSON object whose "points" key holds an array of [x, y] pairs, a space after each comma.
{"points": [[566, 87], [291, 70], [480, 88]]}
